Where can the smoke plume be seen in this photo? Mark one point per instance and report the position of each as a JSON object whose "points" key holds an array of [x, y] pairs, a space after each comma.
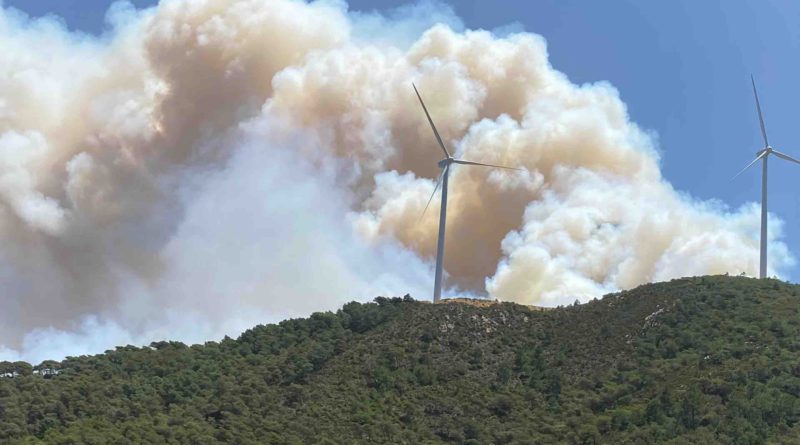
{"points": [[206, 166]]}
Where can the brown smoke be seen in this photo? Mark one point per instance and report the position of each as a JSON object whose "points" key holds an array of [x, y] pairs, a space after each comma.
{"points": [[225, 159]]}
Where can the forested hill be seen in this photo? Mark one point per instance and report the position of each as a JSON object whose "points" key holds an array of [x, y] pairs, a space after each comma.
{"points": [[699, 360]]}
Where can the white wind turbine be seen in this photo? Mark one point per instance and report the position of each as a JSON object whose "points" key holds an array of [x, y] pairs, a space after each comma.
{"points": [[763, 154], [444, 164]]}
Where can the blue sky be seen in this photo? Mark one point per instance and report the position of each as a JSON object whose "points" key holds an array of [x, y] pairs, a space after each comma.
{"points": [[682, 67]]}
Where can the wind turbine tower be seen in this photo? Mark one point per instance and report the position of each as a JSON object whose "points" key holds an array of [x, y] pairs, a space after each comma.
{"points": [[444, 164], [762, 155]]}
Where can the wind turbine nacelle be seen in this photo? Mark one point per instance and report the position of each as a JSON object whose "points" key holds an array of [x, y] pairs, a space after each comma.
{"points": [[443, 163]]}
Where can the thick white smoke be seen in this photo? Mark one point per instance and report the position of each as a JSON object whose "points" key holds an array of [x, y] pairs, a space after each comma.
{"points": [[206, 166]]}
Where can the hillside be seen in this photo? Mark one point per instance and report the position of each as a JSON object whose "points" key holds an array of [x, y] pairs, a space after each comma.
{"points": [[698, 360]]}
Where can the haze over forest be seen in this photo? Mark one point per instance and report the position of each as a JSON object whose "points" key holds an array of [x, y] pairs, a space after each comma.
{"points": [[702, 360]]}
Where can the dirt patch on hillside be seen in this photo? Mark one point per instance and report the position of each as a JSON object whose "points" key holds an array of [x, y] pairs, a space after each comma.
{"points": [[487, 303]]}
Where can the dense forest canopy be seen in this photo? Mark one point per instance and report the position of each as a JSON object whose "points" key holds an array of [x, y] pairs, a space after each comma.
{"points": [[696, 360]]}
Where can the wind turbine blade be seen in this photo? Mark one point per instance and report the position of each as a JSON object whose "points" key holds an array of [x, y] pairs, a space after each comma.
{"points": [[438, 183], [750, 164], [760, 116], [459, 161], [784, 156], [438, 138]]}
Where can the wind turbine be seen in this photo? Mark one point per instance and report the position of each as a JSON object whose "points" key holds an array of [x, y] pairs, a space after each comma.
{"points": [[444, 164], [763, 154]]}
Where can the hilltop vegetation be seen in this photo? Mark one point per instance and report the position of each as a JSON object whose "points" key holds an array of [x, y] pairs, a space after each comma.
{"points": [[699, 360]]}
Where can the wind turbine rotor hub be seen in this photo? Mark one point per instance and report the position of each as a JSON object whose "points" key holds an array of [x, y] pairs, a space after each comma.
{"points": [[444, 162]]}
